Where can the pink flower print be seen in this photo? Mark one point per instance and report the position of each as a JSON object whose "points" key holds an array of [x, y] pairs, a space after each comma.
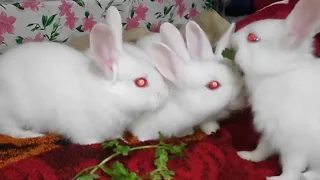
{"points": [[38, 38], [34, 6], [155, 27], [181, 10], [179, 2], [141, 12], [65, 7], [6, 23], [132, 23], [160, 1], [71, 20], [193, 12], [88, 23]]}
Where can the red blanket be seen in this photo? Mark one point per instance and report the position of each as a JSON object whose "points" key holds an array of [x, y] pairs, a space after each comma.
{"points": [[211, 158]]}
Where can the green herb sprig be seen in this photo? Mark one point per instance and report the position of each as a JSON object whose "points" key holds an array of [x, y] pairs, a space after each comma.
{"points": [[119, 172], [229, 53]]}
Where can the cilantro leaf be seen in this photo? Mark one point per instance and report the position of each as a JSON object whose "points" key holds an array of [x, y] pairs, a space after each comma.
{"points": [[229, 53], [88, 177], [112, 143], [124, 150]]}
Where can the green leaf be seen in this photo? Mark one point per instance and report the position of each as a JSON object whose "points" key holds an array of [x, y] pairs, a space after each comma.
{"points": [[87, 14], [161, 158], [56, 34], [106, 170], [155, 176], [31, 24], [124, 150], [167, 174], [98, 3], [177, 149], [79, 28], [148, 25], [112, 143], [167, 10], [80, 3], [229, 53], [50, 20], [65, 40], [19, 40], [132, 12], [36, 27], [88, 177], [17, 5], [120, 169], [3, 7], [44, 20]]}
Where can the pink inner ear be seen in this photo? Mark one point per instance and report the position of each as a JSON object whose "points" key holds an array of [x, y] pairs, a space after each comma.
{"points": [[197, 41], [102, 42], [164, 61], [108, 57], [304, 19]]}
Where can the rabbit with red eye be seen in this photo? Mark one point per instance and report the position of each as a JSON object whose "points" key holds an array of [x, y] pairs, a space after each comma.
{"points": [[201, 85], [282, 76], [50, 87]]}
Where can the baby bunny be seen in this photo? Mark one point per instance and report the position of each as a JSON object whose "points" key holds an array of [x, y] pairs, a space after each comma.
{"points": [[201, 85], [50, 87], [282, 77]]}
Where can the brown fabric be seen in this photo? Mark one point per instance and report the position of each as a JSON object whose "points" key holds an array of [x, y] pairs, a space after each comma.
{"points": [[12, 150]]}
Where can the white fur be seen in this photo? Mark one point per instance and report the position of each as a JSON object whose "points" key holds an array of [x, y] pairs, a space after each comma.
{"points": [[191, 102], [282, 77], [147, 40], [50, 87]]}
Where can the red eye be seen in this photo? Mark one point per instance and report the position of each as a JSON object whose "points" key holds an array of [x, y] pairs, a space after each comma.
{"points": [[252, 37], [213, 85], [141, 82]]}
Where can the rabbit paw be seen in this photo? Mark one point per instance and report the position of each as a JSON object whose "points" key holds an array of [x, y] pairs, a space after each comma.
{"points": [[209, 127], [251, 156]]}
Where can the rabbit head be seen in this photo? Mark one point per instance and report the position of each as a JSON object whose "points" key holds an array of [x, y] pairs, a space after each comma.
{"points": [[204, 83], [273, 46], [138, 84]]}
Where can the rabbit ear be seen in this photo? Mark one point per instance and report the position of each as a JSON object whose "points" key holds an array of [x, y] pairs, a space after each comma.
{"points": [[303, 21], [171, 36], [224, 41], [113, 19], [199, 46], [102, 43], [165, 60]]}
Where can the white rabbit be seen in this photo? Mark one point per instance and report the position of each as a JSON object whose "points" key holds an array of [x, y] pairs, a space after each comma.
{"points": [[50, 87], [202, 85], [282, 76], [197, 41]]}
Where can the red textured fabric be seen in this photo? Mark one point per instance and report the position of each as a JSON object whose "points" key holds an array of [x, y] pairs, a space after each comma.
{"points": [[212, 158], [259, 4]]}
